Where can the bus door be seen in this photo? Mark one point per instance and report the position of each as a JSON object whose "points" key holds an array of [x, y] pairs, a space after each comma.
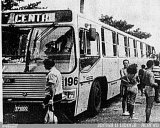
{"points": [[89, 55]]}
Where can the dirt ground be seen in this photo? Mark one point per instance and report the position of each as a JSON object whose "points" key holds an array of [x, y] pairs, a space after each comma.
{"points": [[111, 112]]}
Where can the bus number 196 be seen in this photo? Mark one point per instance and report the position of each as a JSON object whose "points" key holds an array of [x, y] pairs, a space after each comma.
{"points": [[70, 81]]}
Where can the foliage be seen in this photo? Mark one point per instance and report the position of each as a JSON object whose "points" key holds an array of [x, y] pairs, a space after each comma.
{"points": [[121, 25], [9, 4], [124, 26], [107, 20], [139, 34], [31, 6], [14, 5]]}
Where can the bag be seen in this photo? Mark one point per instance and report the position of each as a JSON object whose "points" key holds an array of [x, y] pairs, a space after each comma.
{"points": [[50, 116], [133, 89]]}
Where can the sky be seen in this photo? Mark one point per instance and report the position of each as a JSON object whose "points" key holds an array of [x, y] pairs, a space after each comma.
{"points": [[143, 14]]}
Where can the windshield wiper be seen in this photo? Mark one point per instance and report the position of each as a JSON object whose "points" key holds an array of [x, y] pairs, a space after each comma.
{"points": [[28, 54]]}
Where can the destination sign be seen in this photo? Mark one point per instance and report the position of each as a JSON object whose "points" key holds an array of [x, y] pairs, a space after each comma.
{"points": [[38, 17], [27, 18]]}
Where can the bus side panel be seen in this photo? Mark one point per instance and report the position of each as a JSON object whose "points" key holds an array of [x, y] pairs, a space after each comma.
{"points": [[111, 71]]}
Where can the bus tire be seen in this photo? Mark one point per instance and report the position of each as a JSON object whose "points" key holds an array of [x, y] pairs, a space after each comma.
{"points": [[94, 98]]}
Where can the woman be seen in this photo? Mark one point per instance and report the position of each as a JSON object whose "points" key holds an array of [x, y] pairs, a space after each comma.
{"points": [[130, 81]]}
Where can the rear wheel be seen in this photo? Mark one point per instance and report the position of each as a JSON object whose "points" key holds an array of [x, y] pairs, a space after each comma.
{"points": [[95, 98]]}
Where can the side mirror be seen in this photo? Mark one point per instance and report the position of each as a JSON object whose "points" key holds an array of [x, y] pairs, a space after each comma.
{"points": [[92, 34]]}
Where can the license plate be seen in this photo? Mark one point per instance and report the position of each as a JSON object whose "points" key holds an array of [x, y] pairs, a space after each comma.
{"points": [[21, 108]]}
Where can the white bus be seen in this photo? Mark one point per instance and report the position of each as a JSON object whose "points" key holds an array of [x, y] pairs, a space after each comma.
{"points": [[89, 55]]}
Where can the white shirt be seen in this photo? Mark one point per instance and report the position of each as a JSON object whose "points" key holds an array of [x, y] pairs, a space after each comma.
{"points": [[55, 77]]}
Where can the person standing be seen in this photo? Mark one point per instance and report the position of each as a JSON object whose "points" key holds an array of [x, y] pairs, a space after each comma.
{"points": [[123, 89], [130, 81], [54, 90], [149, 81], [141, 85], [156, 71]]}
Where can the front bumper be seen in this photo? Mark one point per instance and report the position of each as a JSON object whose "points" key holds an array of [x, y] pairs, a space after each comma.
{"points": [[23, 112]]}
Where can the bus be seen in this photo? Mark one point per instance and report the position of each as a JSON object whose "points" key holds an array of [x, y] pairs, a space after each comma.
{"points": [[89, 55]]}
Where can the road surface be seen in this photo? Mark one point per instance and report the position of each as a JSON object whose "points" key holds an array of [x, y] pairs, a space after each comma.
{"points": [[111, 112]]}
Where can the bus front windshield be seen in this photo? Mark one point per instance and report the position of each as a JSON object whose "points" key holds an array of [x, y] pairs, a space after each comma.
{"points": [[25, 49]]}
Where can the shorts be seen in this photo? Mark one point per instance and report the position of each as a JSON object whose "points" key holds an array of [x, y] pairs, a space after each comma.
{"points": [[131, 97], [123, 90]]}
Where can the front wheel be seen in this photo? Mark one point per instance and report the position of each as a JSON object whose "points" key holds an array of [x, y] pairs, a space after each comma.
{"points": [[95, 98]]}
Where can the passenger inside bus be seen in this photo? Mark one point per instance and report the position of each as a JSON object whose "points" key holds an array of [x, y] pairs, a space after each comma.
{"points": [[67, 43], [62, 45], [51, 48]]}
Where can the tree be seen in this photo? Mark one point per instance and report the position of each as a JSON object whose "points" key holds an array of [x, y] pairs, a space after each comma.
{"points": [[139, 34], [14, 5], [121, 25], [124, 26], [107, 20], [32, 6], [9, 4]]}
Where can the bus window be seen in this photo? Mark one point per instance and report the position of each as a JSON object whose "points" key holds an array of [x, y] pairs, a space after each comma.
{"points": [[144, 50], [14, 44], [109, 43], [147, 53], [103, 43], [56, 43], [89, 50], [121, 45], [87, 47], [131, 47], [127, 50], [129, 53], [141, 49], [88, 44], [114, 44], [93, 46], [135, 48]]}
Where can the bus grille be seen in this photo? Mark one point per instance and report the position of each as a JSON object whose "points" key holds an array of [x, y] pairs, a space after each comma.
{"points": [[24, 86]]}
